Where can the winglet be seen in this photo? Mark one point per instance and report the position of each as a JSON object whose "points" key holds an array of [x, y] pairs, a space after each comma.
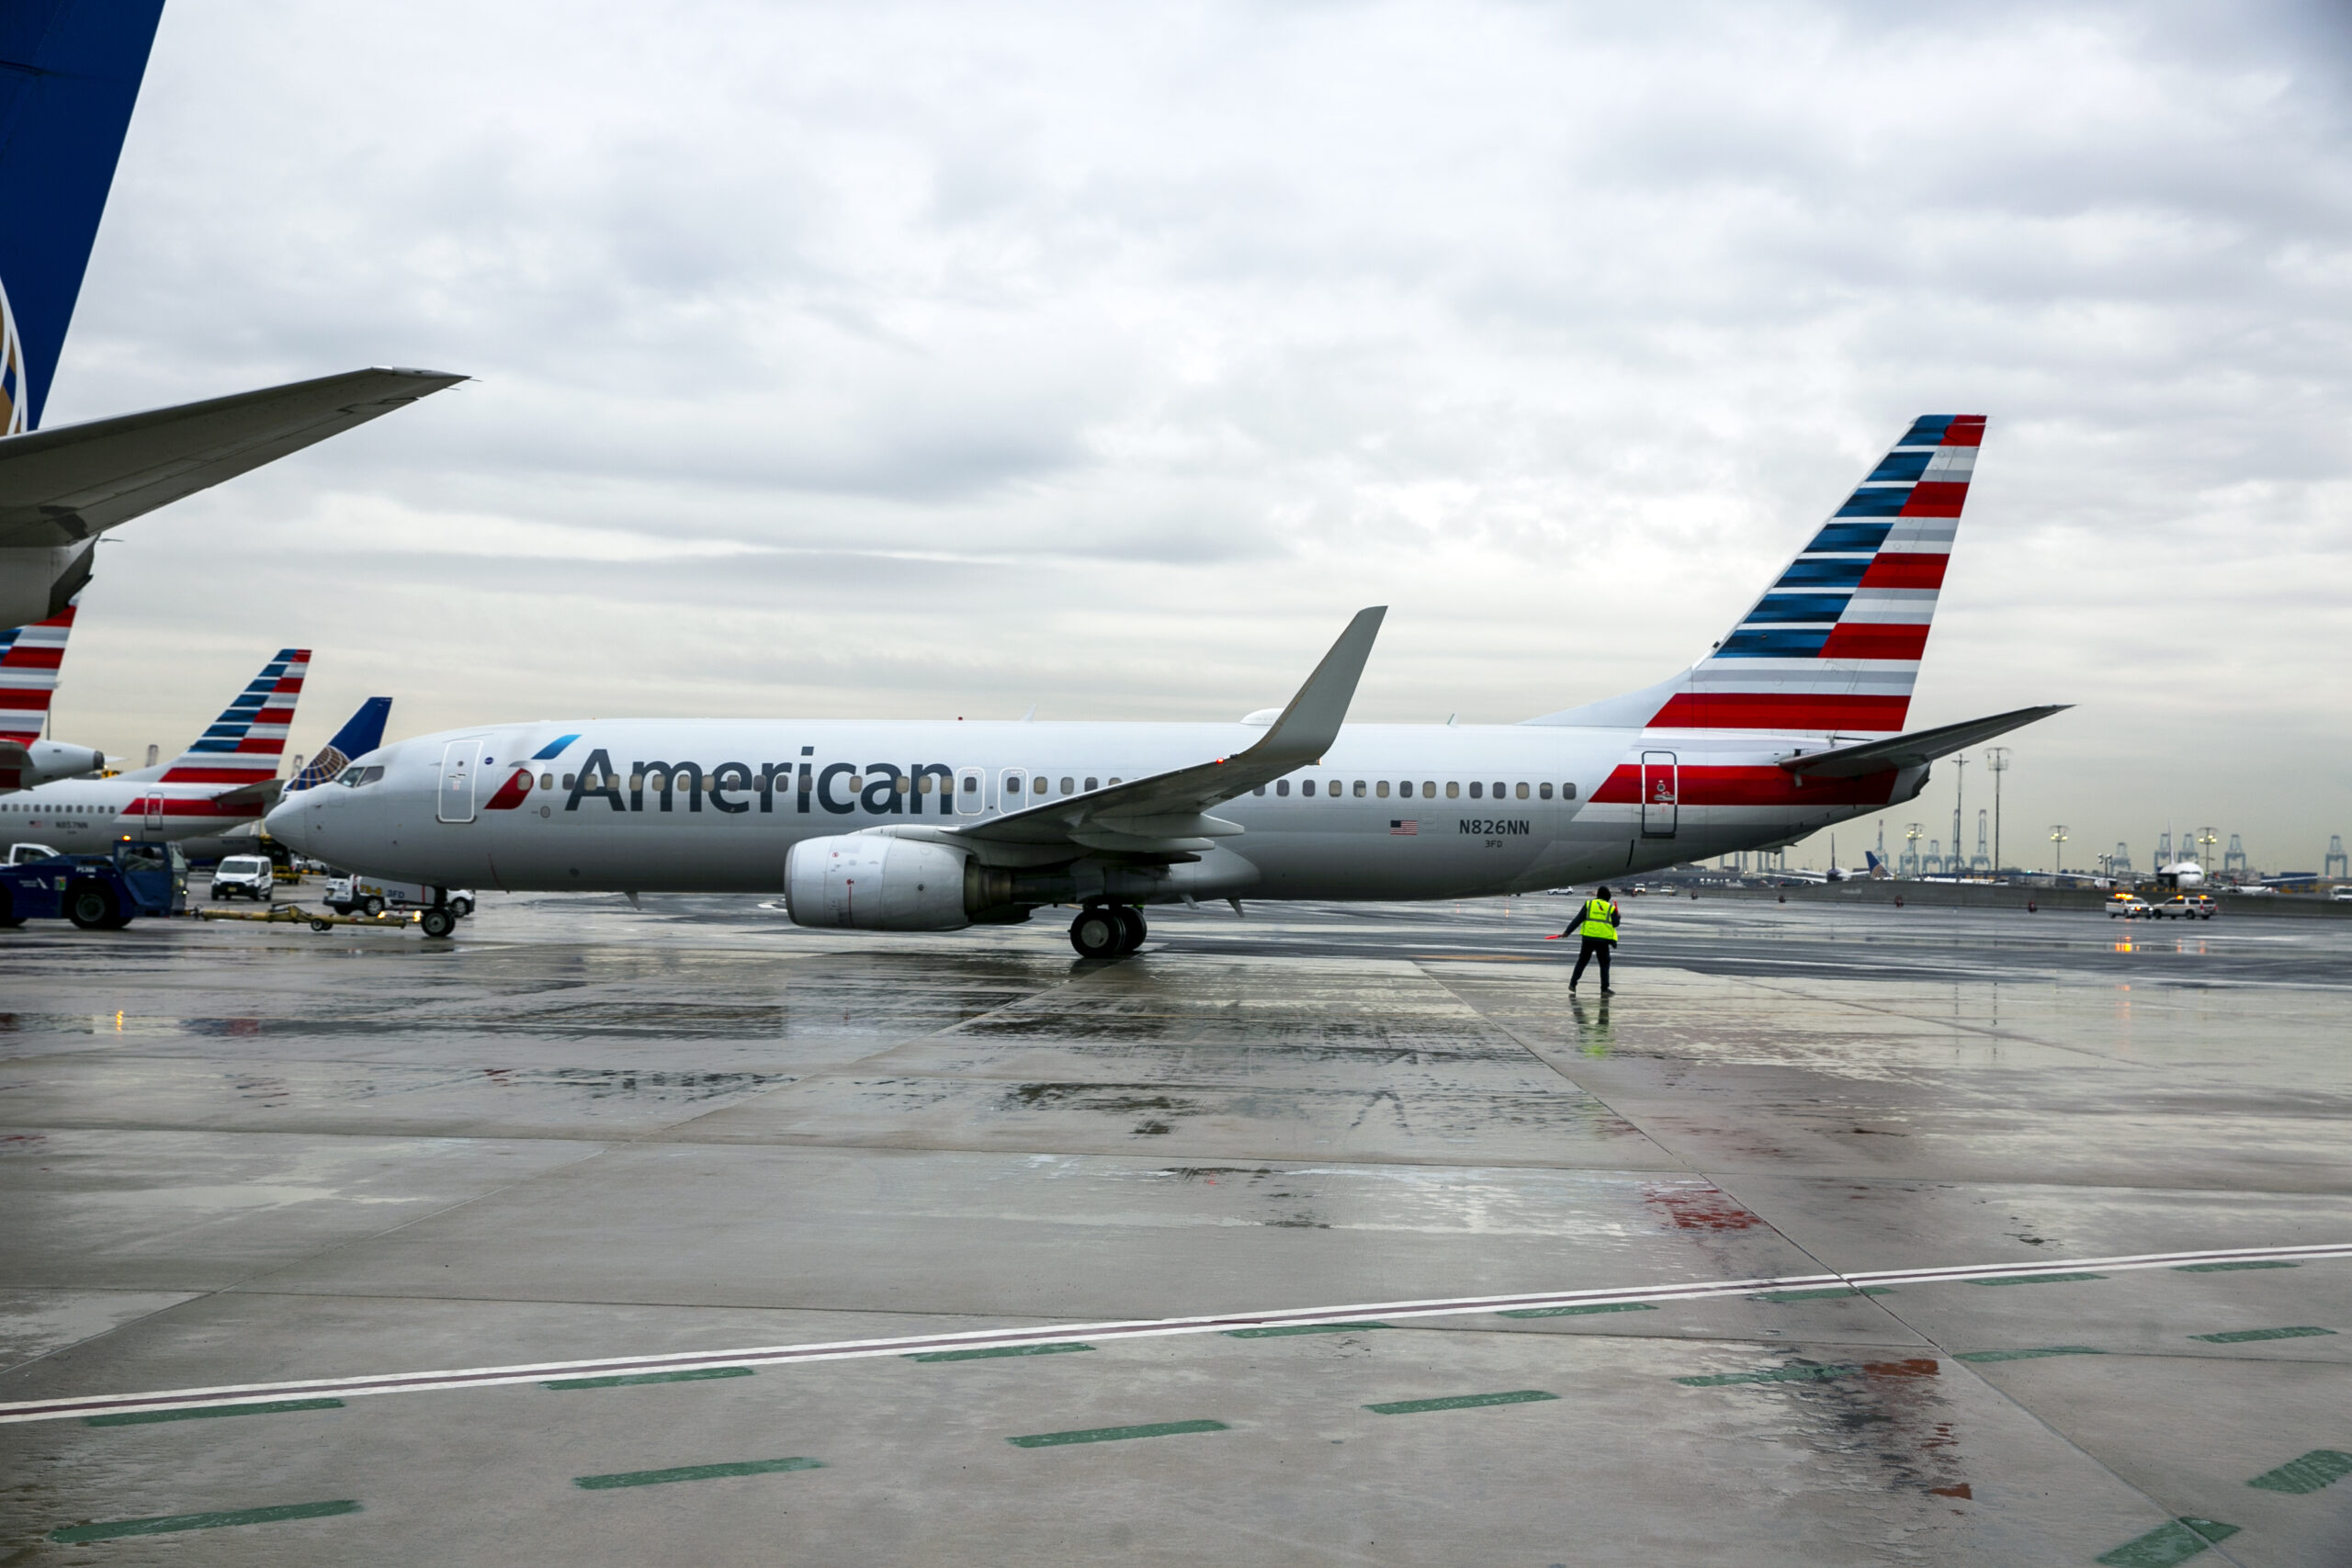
{"points": [[1312, 721]]}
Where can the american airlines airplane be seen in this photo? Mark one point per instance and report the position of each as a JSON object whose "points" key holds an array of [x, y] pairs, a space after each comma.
{"points": [[1789, 724], [31, 659], [229, 775]]}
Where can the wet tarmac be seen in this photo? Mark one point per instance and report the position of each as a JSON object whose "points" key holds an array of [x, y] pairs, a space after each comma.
{"points": [[234, 1155]]}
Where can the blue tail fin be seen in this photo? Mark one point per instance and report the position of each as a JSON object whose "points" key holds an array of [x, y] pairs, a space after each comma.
{"points": [[361, 734], [69, 75]]}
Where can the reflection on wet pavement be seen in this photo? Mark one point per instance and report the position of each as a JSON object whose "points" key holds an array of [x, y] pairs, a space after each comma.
{"points": [[244, 1154]]}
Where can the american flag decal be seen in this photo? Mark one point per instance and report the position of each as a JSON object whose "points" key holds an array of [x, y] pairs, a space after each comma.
{"points": [[1408, 827]]}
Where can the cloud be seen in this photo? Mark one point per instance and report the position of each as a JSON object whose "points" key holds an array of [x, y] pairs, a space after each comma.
{"points": [[922, 359]]}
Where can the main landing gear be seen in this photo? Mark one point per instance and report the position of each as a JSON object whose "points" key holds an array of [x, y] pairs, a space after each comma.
{"points": [[1107, 931]]}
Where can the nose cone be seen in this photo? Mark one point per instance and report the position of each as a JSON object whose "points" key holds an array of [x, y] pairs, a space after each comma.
{"points": [[287, 820]]}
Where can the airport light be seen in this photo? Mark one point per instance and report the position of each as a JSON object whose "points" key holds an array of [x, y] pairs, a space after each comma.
{"points": [[2057, 848], [2205, 842], [1997, 759]]}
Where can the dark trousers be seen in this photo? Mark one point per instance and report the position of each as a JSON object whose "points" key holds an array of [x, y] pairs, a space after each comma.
{"points": [[1593, 947]]}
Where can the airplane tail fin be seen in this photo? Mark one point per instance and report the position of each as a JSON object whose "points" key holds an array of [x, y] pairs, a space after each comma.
{"points": [[243, 745], [361, 734], [69, 76], [29, 660], [1833, 647]]}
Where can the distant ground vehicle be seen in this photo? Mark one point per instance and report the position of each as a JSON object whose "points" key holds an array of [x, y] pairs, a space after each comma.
{"points": [[369, 896], [97, 891], [2341, 896], [243, 876], [20, 853], [2131, 906], [2184, 906]]}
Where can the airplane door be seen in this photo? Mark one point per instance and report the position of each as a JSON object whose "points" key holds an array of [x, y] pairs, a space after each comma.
{"points": [[459, 761], [154, 804], [1661, 794], [971, 791]]}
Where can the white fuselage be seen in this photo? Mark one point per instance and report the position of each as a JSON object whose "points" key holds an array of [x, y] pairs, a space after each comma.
{"points": [[82, 817], [1421, 811]]}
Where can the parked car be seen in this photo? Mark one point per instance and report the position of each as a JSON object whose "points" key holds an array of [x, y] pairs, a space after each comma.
{"points": [[243, 876], [2185, 907]]}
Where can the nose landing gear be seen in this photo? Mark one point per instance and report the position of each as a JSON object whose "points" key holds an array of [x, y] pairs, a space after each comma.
{"points": [[1107, 931]]}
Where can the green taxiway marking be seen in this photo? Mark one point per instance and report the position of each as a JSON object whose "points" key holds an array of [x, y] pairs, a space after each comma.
{"points": [[1831, 1294], [2037, 1279], [2317, 1469], [1579, 1311], [2177, 1542], [2029, 1355], [2246, 1335], [631, 1379], [1460, 1402], [204, 1413], [1114, 1433], [2231, 1267], [993, 1351], [691, 1472], [170, 1524], [1288, 1328]]}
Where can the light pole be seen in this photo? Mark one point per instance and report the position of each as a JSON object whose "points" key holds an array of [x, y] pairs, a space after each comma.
{"points": [[2205, 841], [1959, 790], [1997, 759], [2057, 848]]}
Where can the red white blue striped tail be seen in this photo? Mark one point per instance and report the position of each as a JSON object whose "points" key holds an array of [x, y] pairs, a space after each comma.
{"points": [[30, 659], [245, 742], [1833, 647]]}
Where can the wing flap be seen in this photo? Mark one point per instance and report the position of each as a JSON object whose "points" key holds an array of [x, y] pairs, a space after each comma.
{"points": [[72, 481], [1916, 749]]}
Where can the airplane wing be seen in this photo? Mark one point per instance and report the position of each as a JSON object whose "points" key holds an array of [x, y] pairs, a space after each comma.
{"points": [[67, 483], [1915, 750], [1167, 812]]}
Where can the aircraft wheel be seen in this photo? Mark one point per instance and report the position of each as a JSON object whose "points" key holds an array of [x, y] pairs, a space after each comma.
{"points": [[92, 907], [1132, 931], [438, 920], [1097, 932]]}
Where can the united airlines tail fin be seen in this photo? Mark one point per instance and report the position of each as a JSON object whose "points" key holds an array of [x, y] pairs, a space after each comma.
{"points": [[29, 660], [243, 745], [1833, 647], [361, 734], [69, 75]]}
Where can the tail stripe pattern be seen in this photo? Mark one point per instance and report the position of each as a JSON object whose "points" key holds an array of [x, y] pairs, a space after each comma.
{"points": [[245, 742], [29, 660], [1834, 644]]}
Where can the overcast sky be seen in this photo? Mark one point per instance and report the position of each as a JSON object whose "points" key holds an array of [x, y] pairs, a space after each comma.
{"points": [[924, 360]]}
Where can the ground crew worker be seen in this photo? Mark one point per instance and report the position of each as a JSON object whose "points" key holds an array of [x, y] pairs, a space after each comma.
{"points": [[1598, 926]]}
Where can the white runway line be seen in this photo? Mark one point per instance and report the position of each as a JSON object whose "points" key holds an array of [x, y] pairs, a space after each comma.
{"points": [[853, 1349]]}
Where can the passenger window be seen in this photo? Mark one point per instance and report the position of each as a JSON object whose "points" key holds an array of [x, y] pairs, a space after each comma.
{"points": [[1405, 788], [1428, 789], [1039, 784], [1359, 789], [547, 781], [903, 783], [1307, 786], [1520, 790], [1567, 791], [972, 786], [1092, 785], [923, 785], [1453, 789], [1069, 786], [1381, 789], [569, 779], [1544, 791], [1477, 791], [1498, 791], [1281, 786], [636, 781], [1260, 790]]}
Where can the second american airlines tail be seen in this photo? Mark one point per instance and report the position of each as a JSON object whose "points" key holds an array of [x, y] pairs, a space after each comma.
{"points": [[1791, 722]]}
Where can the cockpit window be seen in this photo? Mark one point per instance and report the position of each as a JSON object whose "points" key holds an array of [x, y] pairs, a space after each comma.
{"points": [[354, 777]]}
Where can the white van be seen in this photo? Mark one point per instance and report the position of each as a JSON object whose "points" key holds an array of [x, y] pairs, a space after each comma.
{"points": [[243, 876]]}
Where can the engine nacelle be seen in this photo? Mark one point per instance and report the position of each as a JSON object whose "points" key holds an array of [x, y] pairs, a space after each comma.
{"points": [[870, 882]]}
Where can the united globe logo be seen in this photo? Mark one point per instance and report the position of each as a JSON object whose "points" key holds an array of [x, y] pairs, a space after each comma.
{"points": [[12, 371]]}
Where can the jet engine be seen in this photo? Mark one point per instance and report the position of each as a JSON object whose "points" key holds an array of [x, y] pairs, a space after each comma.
{"points": [[873, 883]]}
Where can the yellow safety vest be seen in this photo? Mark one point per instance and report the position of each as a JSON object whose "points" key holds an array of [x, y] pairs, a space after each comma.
{"points": [[1599, 919]]}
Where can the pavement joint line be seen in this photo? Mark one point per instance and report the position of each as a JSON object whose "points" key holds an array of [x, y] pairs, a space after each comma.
{"points": [[173, 1524], [55, 1409]]}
